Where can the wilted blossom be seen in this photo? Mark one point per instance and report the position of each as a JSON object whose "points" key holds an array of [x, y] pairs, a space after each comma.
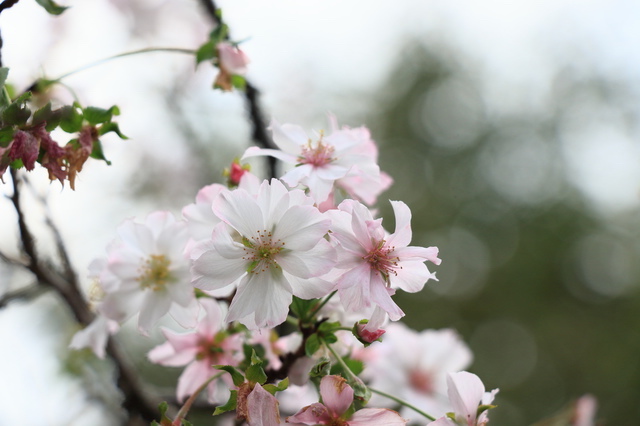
{"points": [[337, 397], [413, 366], [376, 262], [466, 393], [210, 344], [320, 160], [272, 247], [146, 272]]}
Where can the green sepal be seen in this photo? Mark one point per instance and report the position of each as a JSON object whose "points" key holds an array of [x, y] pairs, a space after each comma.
{"points": [[97, 152], [52, 7], [96, 115], [71, 118], [230, 405], [255, 373], [272, 389], [206, 52], [322, 368], [164, 420], [239, 82], [17, 113], [6, 136], [219, 33], [301, 307], [484, 407], [312, 344], [111, 127], [236, 376]]}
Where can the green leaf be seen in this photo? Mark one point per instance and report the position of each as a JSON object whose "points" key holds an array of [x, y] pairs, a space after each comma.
{"points": [[282, 385], [46, 115], [301, 307], [206, 52], [111, 127], [312, 345], [17, 113], [6, 136], [97, 152], [185, 422], [230, 405], [237, 378], [255, 373], [354, 365], [71, 118], [239, 82], [51, 7], [96, 115], [329, 327]]}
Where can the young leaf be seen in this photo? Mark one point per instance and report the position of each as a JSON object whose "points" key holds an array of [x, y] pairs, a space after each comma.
{"points": [[230, 404], [6, 136], [17, 113], [52, 7], [301, 307], [312, 345], [111, 127], [206, 52], [70, 119], [255, 373], [237, 378], [97, 152], [238, 82], [98, 115]]}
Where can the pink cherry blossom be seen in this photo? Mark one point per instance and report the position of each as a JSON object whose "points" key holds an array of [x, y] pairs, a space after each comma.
{"points": [[200, 350], [232, 58], [95, 335], [413, 366], [376, 262], [337, 397], [466, 393], [146, 272], [262, 408], [272, 247], [322, 160]]}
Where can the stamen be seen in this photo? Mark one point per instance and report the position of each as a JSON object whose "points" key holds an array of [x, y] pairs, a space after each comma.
{"points": [[155, 273]]}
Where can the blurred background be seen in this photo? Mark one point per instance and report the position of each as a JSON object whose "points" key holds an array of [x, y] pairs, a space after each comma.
{"points": [[510, 129]]}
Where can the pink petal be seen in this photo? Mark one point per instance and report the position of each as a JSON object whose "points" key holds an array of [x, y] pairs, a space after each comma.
{"points": [[412, 277], [376, 417], [311, 415], [336, 394], [465, 392], [380, 296], [289, 137], [154, 306], [165, 354], [192, 378], [442, 421], [402, 235], [254, 151], [262, 407]]}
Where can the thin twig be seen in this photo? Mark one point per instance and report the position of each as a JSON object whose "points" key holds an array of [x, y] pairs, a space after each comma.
{"points": [[6, 4]]}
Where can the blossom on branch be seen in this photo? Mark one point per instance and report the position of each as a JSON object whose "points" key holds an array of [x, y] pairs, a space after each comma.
{"points": [[376, 262], [272, 247], [337, 397], [146, 272], [320, 161], [200, 350]]}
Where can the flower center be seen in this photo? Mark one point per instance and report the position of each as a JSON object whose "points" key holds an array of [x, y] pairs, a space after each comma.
{"points": [[422, 381], [155, 273], [211, 349], [261, 251], [380, 259], [318, 154]]}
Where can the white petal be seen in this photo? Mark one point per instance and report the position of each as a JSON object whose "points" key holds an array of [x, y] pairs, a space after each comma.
{"points": [[465, 392], [402, 235], [154, 306], [310, 263], [301, 227], [240, 210]]}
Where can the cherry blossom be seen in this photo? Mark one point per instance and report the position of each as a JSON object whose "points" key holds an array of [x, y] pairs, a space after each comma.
{"points": [[337, 397], [322, 160], [200, 350], [95, 335], [466, 393], [272, 246], [413, 366], [376, 262], [146, 272]]}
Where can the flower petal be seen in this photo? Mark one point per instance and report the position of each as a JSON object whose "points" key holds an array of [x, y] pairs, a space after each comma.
{"points": [[336, 394], [376, 417], [262, 407], [465, 392]]}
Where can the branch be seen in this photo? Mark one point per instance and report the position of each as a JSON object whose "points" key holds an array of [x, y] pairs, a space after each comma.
{"points": [[135, 401], [6, 4], [27, 293], [251, 94]]}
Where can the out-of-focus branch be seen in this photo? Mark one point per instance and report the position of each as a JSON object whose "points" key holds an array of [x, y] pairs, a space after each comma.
{"points": [[6, 4], [65, 283], [251, 95], [27, 293]]}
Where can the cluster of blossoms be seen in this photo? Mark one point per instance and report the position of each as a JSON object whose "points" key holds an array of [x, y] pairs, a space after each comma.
{"points": [[305, 250]]}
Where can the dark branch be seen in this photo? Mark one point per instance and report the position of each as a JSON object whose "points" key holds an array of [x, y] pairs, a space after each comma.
{"points": [[251, 94], [6, 4], [135, 401], [27, 293]]}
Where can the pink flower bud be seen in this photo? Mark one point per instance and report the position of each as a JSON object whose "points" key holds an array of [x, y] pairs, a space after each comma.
{"points": [[365, 335], [233, 60]]}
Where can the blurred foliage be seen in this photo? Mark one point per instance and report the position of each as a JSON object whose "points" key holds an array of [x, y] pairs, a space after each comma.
{"points": [[516, 279]]}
